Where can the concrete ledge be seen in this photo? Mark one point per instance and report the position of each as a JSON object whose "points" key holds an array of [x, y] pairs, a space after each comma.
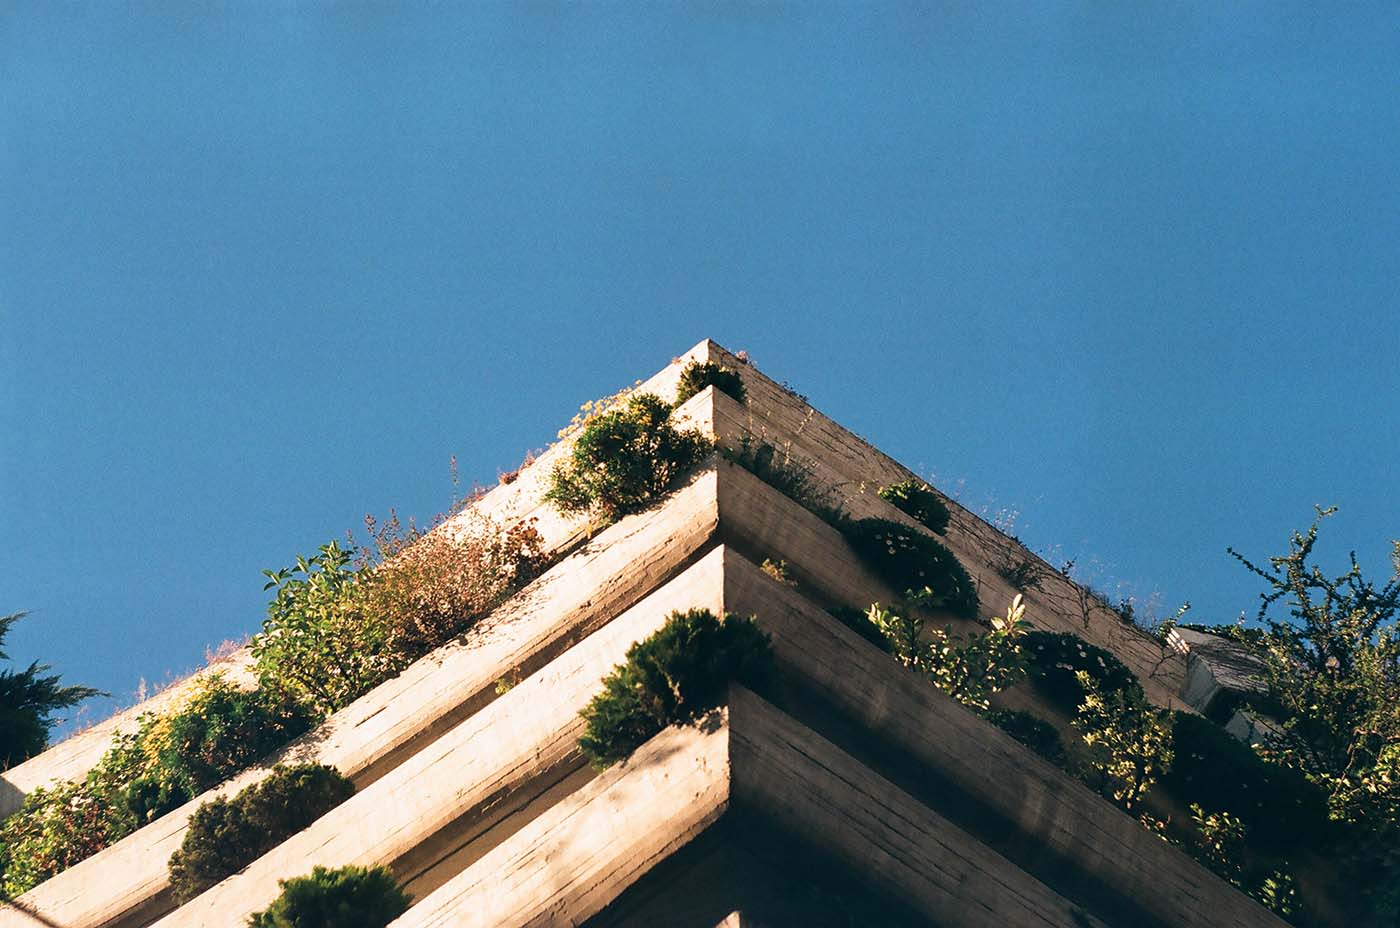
{"points": [[572, 861]]}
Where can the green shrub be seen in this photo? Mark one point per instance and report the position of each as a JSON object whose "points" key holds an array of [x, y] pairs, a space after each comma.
{"points": [[225, 835], [144, 774], [1277, 805], [1129, 740], [918, 500], [221, 731], [1055, 658], [346, 619], [789, 475], [970, 668], [909, 560], [679, 673], [321, 643], [55, 828], [626, 460], [698, 375], [1037, 734], [350, 897]]}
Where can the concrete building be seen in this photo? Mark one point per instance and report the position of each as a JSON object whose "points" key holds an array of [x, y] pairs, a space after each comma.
{"points": [[854, 793]]}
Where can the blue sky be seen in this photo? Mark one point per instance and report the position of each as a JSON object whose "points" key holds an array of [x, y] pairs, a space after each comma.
{"points": [[1129, 269]]}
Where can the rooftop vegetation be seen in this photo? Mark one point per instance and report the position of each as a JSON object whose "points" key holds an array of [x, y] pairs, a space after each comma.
{"points": [[676, 675], [348, 897], [625, 460], [697, 375]]}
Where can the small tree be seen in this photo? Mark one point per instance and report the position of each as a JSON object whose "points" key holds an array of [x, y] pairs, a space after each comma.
{"points": [[1332, 673], [28, 700], [1333, 668]]}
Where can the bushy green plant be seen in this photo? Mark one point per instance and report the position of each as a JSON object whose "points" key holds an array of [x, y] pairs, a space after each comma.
{"points": [[349, 897], [348, 618], [1129, 739], [28, 699], [676, 675], [57, 827], [321, 643], [225, 835], [1055, 659], [698, 375], [625, 460], [788, 474], [909, 560], [1035, 733], [220, 731], [970, 668], [170, 759], [919, 501]]}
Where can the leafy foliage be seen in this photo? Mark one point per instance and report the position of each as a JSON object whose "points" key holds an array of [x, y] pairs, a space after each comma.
{"points": [[1056, 658], [1333, 667], [321, 643], [347, 619], [222, 730], [165, 763], [970, 669], [1129, 739], [28, 699], [673, 677], [1332, 672], [698, 375], [789, 475], [350, 897], [909, 560], [1221, 842], [1035, 733], [626, 460], [226, 835], [918, 500]]}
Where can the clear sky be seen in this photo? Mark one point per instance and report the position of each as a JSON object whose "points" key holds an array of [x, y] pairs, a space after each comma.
{"points": [[1129, 269]]}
